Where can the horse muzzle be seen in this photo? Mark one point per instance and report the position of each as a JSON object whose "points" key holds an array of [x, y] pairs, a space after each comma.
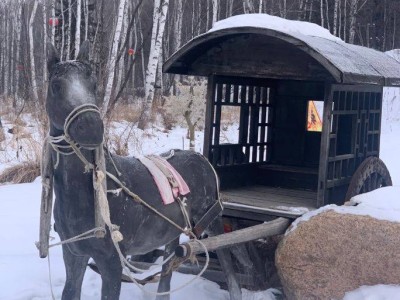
{"points": [[87, 129]]}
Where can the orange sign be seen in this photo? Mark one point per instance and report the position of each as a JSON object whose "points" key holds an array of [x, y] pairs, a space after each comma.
{"points": [[314, 122]]}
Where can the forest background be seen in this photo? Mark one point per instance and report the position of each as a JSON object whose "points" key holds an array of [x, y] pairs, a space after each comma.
{"points": [[131, 39]]}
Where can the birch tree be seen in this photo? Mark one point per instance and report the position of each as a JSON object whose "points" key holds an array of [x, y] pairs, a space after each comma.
{"points": [[352, 15], [112, 58], [86, 13], [31, 52], [4, 47], [62, 30], [121, 63], [248, 7], [78, 27], [69, 33], [159, 18], [178, 25], [214, 11], [335, 17], [44, 39], [17, 52], [53, 17]]}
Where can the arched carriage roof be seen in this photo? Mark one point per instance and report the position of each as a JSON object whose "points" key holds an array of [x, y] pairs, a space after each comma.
{"points": [[270, 53]]}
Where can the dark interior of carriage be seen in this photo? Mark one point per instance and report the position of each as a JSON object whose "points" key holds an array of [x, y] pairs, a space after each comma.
{"points": [[274, 152], [273, 165]]}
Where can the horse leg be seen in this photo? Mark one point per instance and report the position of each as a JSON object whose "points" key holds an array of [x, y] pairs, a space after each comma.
{"points": [[75, 267], [166, 274], [111, 271], [225, 259]]}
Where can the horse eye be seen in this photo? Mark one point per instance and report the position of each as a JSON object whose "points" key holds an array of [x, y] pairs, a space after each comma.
{"points": [[56, 87]]}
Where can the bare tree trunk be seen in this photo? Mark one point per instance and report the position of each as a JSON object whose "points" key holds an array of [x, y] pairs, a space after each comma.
{"points": [[345, 22], [340, 19], [11, 56], [69, 33], [214, 11], [384, 25], [5, 50], [248, 7], [121, 63], [159, 19], [86, 12], [78, 27], [353, 19], [141, 53], [208, 15], [17, 53], [327, 15], [112, 58], [178, 25], [394, 32], [335, 17], [31, 53], [53, 16], [260, 6], [45, 40], [283, 8], [62, 30], [322, 13]]}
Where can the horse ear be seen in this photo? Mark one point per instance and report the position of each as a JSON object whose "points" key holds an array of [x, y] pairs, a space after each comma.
{"points": [[52, 57], [84, 52]]}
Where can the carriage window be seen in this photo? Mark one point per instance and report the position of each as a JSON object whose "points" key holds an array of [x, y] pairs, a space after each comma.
{"points": [[344, 144], [314, 115]]}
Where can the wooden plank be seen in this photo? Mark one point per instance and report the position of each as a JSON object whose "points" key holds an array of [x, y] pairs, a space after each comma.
{"points": [[324, 152], [209, 122], [271, 200], [292, 169], [252, 212], [265, 190], [252, 233]]}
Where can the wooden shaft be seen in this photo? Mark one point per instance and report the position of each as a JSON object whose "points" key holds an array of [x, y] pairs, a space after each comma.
{"points": [[101, 166], [277, 226], [46, 205]]}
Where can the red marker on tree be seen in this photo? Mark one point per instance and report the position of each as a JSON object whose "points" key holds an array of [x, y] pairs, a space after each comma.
{"points": [[131, 51], [54, 21]]}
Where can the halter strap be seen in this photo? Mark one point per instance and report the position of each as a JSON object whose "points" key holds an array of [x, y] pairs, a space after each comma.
{"points": [[76, 112]]}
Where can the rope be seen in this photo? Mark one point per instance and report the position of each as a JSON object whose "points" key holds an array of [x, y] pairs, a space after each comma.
{"points": [[179, 287], [50, 281]]}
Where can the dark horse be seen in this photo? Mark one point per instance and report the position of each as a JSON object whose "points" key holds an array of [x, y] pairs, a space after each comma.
{"points": [[72, 84]]}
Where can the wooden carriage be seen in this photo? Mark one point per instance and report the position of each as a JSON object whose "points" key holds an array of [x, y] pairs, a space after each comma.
{"points": [[275, 82]]}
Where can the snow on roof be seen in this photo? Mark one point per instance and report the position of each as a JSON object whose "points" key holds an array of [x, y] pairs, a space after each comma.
{"points": [[347, 63], [395, 53], [275, 23], [381, 204]]}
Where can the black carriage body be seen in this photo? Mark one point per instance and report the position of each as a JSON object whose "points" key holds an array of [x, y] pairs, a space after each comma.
{"points": [[276, 166]]}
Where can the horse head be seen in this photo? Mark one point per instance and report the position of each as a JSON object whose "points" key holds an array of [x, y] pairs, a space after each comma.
{"points": [[71, 99]]}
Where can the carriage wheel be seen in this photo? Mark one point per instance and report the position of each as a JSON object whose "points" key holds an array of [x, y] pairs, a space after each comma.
{"points": [[370, 175]]}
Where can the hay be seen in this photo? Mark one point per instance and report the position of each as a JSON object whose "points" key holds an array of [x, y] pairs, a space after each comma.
{"points": [[21, 173]]}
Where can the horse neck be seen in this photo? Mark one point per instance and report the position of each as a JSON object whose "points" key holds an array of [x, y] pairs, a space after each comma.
{"points": [[72, 181]]}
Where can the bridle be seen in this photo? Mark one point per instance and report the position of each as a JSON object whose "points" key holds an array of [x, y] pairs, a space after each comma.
{"points": [[71, 146]]}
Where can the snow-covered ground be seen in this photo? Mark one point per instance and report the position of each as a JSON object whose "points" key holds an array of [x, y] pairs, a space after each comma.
{"points": [[23, 275]]}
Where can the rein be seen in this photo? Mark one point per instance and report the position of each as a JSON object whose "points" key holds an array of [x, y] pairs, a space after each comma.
{"points": [[102, 211]]}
